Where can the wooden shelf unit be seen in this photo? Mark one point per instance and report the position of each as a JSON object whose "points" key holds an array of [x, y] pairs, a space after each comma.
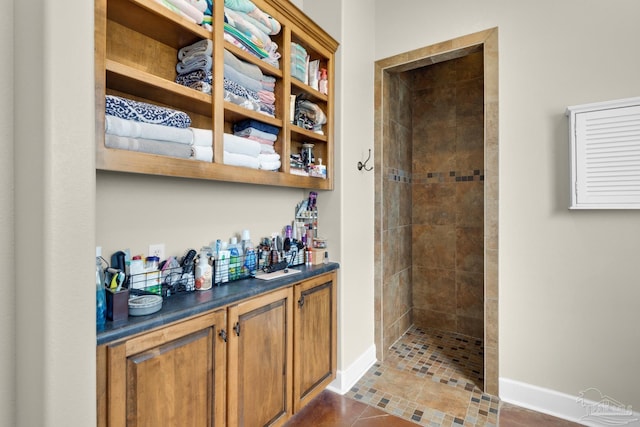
{"points": [[136, 46]]}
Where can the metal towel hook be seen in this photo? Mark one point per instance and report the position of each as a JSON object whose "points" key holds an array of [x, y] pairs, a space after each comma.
{"points": [[364, 165]]}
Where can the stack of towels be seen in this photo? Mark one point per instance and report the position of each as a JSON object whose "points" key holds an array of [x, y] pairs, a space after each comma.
{"points": [[248, 27], [197, 11], [245, 85], [147, 128], [194, 66], [251, 146]]}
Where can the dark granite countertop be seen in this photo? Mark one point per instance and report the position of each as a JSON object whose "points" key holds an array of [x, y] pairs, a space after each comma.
{"points": [[183, 305]]}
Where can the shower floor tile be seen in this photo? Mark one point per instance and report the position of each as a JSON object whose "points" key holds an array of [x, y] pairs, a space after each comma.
{"points": [[431, 378]]}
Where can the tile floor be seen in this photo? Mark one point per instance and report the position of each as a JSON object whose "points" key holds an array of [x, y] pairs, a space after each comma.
{"points": [[428, 378], [431, 378]]}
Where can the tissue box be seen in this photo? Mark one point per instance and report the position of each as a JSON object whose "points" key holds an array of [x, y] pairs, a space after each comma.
{"points": [[117, 305]]}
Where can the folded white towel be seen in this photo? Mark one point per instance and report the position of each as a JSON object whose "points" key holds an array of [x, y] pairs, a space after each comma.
{"points": [[238, 145], [267, 149], [243, 160], [121, 127], [269, 157], [201, 5], [270, 166], [188, 10], [202, 137], [204, 154], [163, 148]]}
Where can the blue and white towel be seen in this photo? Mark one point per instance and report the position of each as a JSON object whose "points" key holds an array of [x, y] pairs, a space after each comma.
{"points": [[143, 112]]}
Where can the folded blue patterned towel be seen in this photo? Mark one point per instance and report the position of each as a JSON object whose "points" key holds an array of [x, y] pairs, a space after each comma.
{"points": [[146, 113]]}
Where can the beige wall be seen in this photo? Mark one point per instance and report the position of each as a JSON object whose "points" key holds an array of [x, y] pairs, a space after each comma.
{"points": [[568, 280], [7, 302]]}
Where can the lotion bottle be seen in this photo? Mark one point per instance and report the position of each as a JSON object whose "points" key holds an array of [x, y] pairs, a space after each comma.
{"points": [[203, 272]]}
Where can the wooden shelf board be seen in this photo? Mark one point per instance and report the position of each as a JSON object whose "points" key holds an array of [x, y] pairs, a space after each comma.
{"points": [[130, 80]]}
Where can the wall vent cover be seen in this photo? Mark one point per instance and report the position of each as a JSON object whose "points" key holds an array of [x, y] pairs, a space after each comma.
{"points": [[605, 155]]}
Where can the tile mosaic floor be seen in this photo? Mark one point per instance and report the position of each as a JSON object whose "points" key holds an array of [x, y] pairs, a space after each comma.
{"points": [[431, 378]]}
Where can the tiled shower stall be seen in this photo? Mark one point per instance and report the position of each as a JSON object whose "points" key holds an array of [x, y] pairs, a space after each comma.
{"points": [[433, 199]]}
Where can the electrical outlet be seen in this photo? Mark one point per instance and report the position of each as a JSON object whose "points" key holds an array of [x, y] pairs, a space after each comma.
{"points": [[157, 250]]}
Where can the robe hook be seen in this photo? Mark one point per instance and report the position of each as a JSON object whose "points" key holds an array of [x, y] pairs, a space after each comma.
{"points": [[364, 165]]}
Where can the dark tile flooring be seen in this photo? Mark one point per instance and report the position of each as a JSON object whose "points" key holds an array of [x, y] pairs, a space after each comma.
{"points": [[429, 378]]}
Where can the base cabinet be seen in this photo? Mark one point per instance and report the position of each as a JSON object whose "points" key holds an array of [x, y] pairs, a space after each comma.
{"points": [[260, 361], [250, 364], [170, 377], [315, 337]]}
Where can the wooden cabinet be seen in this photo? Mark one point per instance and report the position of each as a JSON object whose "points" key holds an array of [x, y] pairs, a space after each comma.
{"points": [[136, 46], [252, 363], [315, 337], [169, 377], [260, 361]]}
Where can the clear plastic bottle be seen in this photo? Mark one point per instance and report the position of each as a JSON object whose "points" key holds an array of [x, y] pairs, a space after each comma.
{"points": [[235, 259], [101, 298], [250, 267]]}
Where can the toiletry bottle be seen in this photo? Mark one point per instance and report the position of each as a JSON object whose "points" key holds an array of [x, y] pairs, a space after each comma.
{"points": [[222, 265], [235, 259], [101, 299], [250, 266], [324, 83], [203, 272]]}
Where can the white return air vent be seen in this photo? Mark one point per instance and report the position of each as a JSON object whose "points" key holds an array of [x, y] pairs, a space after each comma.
{"points": [[605, 155]]}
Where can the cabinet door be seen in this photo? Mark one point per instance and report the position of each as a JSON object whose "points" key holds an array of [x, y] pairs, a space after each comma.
{"points": [[260, 356], [314, 337], [170, 377]]}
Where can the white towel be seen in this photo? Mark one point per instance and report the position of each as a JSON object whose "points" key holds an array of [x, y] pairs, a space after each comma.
{"points": [[270, 166], [269, 157], [121, 127], [267, 149], [163, 148], [204, 154], [243, 160], [238, 145], [202, 137]]}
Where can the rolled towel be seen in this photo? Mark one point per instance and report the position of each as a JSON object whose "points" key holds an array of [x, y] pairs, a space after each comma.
{"points": [[202, 137], [121, 127], [243, 160], [238, 145], [129, 109], [163, 148], [202, 47], [204, 154]]}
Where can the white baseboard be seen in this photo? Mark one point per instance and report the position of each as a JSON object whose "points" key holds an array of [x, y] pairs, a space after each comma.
{"points": [[345, 379], [591, 408]]}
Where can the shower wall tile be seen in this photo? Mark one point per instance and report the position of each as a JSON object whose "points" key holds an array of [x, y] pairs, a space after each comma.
{"points": [[435, 105], [470, 249], [470, 295], [469, 204], [405, 249], [434, 246], [469, 66], [392, 205], [434, 319], [469, 98], [405, 204], [434, 204], [470, 326], [434, 75], [433, 148], [434, 289]]}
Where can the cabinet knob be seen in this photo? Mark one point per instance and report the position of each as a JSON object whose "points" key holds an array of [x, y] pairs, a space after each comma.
{"points": [[223, 335], [236, 328]]}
